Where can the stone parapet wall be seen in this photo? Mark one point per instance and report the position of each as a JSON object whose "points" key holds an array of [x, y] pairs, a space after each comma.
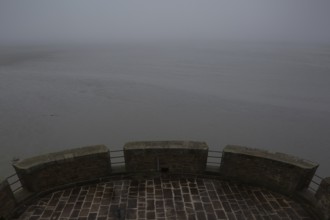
{"points": [[7, 200], [280, 172], [47, 171], [171, 156]]}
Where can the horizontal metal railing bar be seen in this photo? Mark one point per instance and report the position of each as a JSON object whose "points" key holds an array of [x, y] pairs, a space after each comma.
{"points": [[18, 188], [116, 157], [319, 177], [16, 181], [11, 176], [215, 151], [116, 151], [315, 182], [118, 162], [314, 190]]}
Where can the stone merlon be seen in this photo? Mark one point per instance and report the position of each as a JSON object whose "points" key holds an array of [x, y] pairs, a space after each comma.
{"points": [[280, 172]]}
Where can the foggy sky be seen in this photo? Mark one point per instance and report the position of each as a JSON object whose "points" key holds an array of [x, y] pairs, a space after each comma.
{"points": [[110, 20]]}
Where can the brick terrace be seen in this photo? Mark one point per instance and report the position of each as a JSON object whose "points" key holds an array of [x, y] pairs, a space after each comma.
{"points": [[165, 198]]}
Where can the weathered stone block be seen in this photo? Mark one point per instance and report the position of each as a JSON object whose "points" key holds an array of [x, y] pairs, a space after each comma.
{"points": [[46, 171], [7, 200], [280, 172], [172, 156]]}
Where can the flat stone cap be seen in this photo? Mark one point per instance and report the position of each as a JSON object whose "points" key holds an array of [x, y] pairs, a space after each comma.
{"points": [[281, 157], [61, 155], [166, 145]]}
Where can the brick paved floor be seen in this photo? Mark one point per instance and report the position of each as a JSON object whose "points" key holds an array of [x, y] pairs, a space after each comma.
{"points": [[165, 198]]}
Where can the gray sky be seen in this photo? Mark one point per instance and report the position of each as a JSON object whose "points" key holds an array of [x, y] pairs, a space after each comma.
{"points": [[107, 20]]}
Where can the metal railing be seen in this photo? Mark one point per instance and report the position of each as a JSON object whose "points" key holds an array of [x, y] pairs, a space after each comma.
{"points": [[214, 158], [118, 160], [117, 157], [14, 183], [315, 183]]}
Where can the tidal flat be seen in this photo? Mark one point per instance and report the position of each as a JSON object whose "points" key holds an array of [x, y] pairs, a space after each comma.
{"points": [[270, 96]]}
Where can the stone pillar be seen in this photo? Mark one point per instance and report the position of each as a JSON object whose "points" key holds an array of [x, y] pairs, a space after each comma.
{"points": [[323, 198], [166, 156], [7, 200]]}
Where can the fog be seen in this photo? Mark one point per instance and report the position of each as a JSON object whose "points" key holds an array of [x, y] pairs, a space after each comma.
{"points": [[247, 72], [82, 21]]}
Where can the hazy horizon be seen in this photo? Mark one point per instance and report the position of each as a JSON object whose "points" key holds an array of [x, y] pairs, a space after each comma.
{"points": [[101, 21]]}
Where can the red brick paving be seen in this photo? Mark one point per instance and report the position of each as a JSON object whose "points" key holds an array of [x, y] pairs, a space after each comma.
{"points": [[165, 198]]}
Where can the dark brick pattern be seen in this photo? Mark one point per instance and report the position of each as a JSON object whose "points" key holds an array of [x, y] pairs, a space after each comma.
{"points": [[167, 197]]}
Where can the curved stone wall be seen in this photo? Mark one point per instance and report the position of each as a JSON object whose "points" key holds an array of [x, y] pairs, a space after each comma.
{"points": [[279, 172], [47, 171]]}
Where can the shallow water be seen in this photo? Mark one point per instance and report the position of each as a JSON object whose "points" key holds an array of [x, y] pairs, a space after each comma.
{"points": [[275, 97]]}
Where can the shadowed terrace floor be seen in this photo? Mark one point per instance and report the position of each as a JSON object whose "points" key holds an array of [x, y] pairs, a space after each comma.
{"points": [[165, 197]]}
